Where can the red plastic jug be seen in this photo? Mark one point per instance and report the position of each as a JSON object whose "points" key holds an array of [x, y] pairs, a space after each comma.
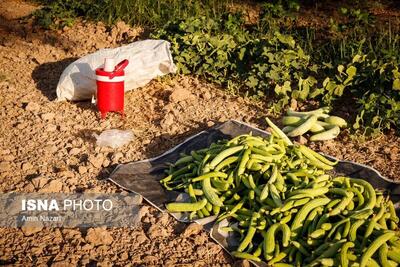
{"points": [[110, 87]]}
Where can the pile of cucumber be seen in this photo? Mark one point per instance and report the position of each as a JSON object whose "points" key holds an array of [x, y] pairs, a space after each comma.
{"points": [[318, 122], [284, 205]]}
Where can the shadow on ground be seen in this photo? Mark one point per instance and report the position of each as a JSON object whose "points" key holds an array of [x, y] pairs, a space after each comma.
{"points": [[46, 76]]}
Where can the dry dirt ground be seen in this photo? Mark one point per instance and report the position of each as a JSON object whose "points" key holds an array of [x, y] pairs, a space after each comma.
{"points": [[48, 146]]}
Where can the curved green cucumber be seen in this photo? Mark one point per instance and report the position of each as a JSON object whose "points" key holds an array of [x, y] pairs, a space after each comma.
{"points": [[313, 160], [353, 230], [360, 197], [326, 135], [226, 162], [246, 256], [304, 127], [374, 246], [361, 214], [286, 219], [318, 111], [275, 195], [287, 129], [332, 204], [319, 233], [344, 261], [274, 175], [370, 204], [394, 255], [392, 212], [310, 192], [332, 249], [247, 239], [184, 160], [335, 120], [383, 251], [270, 236], [210, 175], [301, 202], [336, 226], [210, 194], [346, 229], [224, 154], [292, 120], [186, 207], [326, 226], [342, 205], [319, 156], [317, 128], [264, 192], [304, 211], [279, 133], [279, 257], [243, 161], [300, 247]]}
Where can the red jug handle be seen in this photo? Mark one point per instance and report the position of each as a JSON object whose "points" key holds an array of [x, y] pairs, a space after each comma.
{"points": [[120, 66]]}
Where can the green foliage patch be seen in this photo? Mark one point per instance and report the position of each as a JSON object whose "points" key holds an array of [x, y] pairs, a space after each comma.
{"points": [[349, 60], [271, 64]]}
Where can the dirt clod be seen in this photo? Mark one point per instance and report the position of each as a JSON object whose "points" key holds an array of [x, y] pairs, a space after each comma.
{"points": [[157, 231], [30, 228], [192, 229], [47, 116], [53, 186], [39, 182], [181, 94], [98, 236], [32, 106]]}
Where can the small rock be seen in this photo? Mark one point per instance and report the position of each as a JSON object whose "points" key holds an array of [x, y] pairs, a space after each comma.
{"points": [[47, 116], [52, 186], [74, 151], [117, 156], [163, 219], [32, 106], [144, 211], [141, 238], [180, 94], [192, 229], [39, 182], [87, 247], [51, 128], [206, 95], [37, 250], [98, 236], [30, 228], [167, 121], [302, 140], [5, 166], [8, 158], [21, 126], [241, 263], [210, 123], [156, 231], [97, 161], [106, 163], [29, 187], [61, 263], [82, 169], [123, 256], [5, 151], [26, 166]]}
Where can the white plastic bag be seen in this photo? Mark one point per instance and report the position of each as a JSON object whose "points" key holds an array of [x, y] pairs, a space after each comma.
{"points": [[147, 60], [114, 138]]}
